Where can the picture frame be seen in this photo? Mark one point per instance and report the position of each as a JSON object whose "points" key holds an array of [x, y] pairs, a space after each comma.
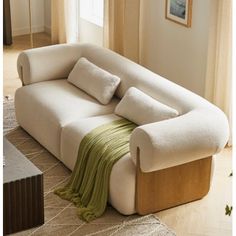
{"points": [[179, 11]]}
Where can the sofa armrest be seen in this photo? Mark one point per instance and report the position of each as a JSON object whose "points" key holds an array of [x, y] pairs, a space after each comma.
{"points": [[192, 136], [47, 63]]}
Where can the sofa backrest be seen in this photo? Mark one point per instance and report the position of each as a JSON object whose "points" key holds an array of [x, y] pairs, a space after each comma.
{"points": [[134, 75], [55, 62]]}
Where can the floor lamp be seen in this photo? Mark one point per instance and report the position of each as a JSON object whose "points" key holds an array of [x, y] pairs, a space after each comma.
{"points": [[30, 25]]}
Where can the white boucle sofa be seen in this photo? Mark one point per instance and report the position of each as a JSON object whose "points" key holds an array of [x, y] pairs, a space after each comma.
{"points": [[170, 152]]}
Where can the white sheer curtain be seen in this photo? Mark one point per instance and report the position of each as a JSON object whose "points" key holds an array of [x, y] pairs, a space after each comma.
{"points": [[219, 66], [122, 27], [64, 18]]}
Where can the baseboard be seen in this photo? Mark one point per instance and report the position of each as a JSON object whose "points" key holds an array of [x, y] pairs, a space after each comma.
{"points": [[26, 30]]}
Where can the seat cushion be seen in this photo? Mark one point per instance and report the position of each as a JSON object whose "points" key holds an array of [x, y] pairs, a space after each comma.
{"points": [[122, 179], [42, 109]]}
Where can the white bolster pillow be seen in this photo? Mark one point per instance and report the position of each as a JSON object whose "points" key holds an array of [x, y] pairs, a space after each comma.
{"points": [[142, 109], [195, 135], [93, 80]]}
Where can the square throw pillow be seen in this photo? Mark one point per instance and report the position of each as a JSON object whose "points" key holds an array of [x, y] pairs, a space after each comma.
{"points": [[93, 80], [142, 109]]}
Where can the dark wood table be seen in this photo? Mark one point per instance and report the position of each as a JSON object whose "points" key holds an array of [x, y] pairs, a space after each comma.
{"points": [[7, 29], [23, 205]]}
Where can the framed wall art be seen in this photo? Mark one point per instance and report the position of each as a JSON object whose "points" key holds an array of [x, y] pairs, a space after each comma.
{"points": [[179, 11]]}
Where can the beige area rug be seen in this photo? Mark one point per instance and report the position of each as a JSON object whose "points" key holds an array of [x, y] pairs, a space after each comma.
{"points": [[60, 215]]}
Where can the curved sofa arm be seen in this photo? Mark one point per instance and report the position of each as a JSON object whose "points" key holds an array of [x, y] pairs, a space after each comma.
{"points": [[192, 136], [47, 63]]}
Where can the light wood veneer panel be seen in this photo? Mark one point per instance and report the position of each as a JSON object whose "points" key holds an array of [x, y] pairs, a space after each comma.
{"points": [[159, 190]]}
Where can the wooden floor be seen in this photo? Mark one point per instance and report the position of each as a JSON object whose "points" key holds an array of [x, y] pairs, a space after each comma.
{"points": [[203, 217]]}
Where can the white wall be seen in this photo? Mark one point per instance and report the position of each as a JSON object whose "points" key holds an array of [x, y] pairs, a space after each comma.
{"points": [[20, 16], [90, 33], [174, 51]]}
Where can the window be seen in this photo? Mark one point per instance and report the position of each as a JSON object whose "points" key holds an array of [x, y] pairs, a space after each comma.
{"points": [[92, 11]]}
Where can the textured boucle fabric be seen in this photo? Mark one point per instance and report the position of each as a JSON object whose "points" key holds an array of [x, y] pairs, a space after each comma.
{"points": [[95, 81], [143, 109]]}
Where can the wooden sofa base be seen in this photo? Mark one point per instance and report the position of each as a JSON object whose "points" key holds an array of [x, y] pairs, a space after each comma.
{"points": [[159, 190]]}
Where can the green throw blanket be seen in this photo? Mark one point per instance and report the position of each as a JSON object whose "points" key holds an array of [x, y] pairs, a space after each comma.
{"points": [[98, 152]]}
